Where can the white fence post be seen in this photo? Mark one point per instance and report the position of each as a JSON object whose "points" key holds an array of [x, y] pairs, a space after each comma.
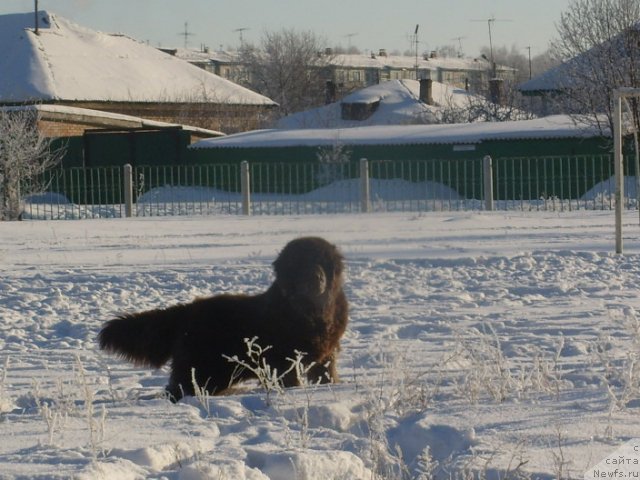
{"points": [[617, 166], [365, 193], [128, 190], [487, 175], [245, 186]]}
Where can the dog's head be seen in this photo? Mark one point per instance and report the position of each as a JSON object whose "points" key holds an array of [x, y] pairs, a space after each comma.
{"points": [[309, 273]]}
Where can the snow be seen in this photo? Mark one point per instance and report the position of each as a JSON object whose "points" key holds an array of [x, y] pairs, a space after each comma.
{"points": [[408, 62], [399, 104], [554, 126], [70, 62], [500, 343]]}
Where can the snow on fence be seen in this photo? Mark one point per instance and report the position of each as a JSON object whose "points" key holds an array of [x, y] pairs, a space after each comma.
{"points": [[533, 183]]}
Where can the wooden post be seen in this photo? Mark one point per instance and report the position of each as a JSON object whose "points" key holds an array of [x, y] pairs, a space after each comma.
{"points": [[487, 175], [245, 185], [128, 190], [365, 193], [617, 165]]}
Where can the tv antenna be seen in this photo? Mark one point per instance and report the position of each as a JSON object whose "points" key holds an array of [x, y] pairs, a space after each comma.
{"points": [[186, 34], [349, 37], [415, 37], [239, 32], [489, 22], [459, 40]]}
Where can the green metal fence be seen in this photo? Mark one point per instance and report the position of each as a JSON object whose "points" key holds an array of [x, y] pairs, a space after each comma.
{"points": [[535, 183]]}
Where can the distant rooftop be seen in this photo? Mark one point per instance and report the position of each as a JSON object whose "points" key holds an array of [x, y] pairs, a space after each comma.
{"points": [[398, 102]]}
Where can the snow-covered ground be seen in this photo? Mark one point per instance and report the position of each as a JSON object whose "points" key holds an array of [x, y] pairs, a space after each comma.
{"points": [[500, 344]]}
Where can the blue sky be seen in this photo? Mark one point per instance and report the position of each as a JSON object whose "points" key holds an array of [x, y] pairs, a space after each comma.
{"points": [[369, 25]]}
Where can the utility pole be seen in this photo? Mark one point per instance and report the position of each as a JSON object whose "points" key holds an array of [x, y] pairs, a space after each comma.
{"points": [[489, 22], [529, 48]]}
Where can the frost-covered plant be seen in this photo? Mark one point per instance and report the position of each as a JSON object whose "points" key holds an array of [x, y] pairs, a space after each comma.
{"points": [[272, 382], [545, 374], [426, 465], [386, 462], [268, 377], [487, 369], [53, 418], [561, 464], [4, 400], [618, 361], [96, 426], [332, 159], [201, 393], [25, 154]]}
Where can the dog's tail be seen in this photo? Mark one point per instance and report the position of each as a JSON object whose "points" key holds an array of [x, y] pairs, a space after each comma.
{"points": [[145, 338]]}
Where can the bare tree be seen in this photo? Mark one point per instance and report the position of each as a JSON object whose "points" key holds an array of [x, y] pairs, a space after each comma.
{"points": [[287, 67], [598, 45], [480, 108], [24, 155], [448, 51]]}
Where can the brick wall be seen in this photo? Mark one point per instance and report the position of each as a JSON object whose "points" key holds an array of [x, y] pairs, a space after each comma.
{"points": [[224, 118], [51, 128]]}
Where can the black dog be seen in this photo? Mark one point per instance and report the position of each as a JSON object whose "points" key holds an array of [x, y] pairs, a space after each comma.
{"points": [[304, 310]]}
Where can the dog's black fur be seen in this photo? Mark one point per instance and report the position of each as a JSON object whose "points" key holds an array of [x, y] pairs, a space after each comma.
{"points": [[305, 309]]}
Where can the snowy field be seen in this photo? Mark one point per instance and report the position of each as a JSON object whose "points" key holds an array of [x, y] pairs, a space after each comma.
{"points": [[498, 345]]}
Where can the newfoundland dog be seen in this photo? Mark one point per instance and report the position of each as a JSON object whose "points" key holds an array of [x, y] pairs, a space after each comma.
{"points": [[304, 310]]}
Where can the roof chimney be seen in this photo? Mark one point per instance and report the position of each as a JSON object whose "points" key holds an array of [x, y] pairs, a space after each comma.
{"points": [[426, 91], [36, 19], [495, 90], [330, 92]]}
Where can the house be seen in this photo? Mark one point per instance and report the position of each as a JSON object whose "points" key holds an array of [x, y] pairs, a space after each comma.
{"points": [[350, 72], [594, 73], [61, 63], [395, 102], [545, 89], [549, 136], [344, 73], [538, 155], [97, 138]]}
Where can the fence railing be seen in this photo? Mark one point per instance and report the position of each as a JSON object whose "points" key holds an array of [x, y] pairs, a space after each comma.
{"points": [[535, 183]]}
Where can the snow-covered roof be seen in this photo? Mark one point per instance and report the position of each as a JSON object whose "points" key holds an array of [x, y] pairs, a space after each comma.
{"points": [[556, 126], [374, 61], [554, 79], [399, 104], [586, 64], [68, 62], [409, 62]]}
